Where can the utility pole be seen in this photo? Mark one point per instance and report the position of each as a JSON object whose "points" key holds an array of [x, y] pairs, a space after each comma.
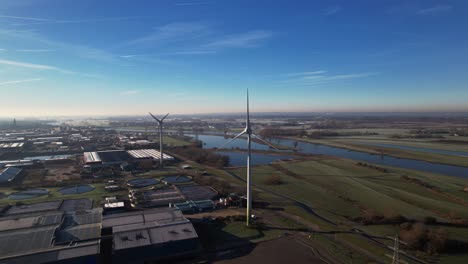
{"points": [[395, 259]]}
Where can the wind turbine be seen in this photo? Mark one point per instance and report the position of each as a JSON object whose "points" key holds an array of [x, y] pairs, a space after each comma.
{"points": [[248, 131], [160, 123]]}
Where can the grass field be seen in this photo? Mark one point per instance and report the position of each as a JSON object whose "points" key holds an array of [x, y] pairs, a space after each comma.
{"points": [[174, 142], [338, 189]]}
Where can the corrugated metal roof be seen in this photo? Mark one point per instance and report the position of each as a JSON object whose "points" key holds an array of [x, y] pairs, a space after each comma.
{"points": [[77, 233], [158, 226], [131, 239], [148, 153], [34, 208], [122, 219], [12, 242], [16, 222]]}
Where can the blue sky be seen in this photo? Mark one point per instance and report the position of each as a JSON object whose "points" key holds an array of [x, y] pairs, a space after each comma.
{"points": [[88, 57]]}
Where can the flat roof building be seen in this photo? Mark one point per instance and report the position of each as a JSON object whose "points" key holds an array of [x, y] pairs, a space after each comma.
{"points": [[53, 237], [86, 236], [150, 235], [118, 157], [149, 153]]}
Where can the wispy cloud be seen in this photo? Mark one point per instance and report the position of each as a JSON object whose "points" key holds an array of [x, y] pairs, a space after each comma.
{"points": [[40, 21], [181, 31], [73, 49], [34, 50], [332, 10], [316, 77], [33, 66], [350, 76], [20, 81], [191, 3], [127, 56], [129, 92], [434, 9], [245, 40], [194, 52], [26, 18], [2, 50], [306, 73]]}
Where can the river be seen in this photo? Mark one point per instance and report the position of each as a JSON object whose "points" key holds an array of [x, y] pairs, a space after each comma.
{"points": [[212, 141]]}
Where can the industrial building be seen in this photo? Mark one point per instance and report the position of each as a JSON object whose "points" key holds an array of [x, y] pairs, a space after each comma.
{"points": [[68, 205], [142, 158], [168, 195], [51, 237], [71, 231], [149, 235]]}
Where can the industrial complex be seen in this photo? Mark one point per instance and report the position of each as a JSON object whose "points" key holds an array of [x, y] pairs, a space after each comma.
{"points": [[71, 231]]}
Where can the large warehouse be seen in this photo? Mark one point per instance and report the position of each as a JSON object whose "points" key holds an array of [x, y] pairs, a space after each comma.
{"points": [[118, 157], [51, 237]]}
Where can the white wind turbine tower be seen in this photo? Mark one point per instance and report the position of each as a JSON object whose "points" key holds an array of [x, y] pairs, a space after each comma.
{"points": [[160, 123], [248, 131]]}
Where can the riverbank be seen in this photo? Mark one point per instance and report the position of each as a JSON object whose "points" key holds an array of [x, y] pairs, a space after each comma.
{"points": [[392, 152]]}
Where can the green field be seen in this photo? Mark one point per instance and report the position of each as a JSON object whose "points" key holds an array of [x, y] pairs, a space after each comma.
{"points": [[174, 142], [338, 189]]}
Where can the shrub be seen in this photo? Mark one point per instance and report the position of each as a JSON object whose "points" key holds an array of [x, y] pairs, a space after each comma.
{"points": [[273, 180]]}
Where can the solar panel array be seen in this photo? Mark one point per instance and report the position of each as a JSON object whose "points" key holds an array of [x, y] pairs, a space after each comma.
{"points": [[76, 205], [34, 208], [82, 218], [77, 233], [13, 242], [157, 197], [149, 153], [197, 192], [49, 219]]}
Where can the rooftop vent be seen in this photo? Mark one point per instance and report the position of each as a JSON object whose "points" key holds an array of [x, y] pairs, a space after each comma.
{"points": [[139, 236]]}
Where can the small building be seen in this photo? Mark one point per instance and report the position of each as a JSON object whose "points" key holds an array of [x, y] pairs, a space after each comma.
{"points": [[113, 205]]}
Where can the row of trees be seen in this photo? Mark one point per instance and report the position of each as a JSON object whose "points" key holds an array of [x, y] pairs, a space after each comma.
{"points": [[203, 156]]}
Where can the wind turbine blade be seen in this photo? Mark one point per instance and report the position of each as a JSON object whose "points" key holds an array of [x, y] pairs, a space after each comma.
{"points": [[159, 121], [232, 139], [164, 117], [264, 141]]}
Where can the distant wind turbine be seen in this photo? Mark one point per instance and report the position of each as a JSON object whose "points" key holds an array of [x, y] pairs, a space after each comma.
{"points": [[248, 131], [160, 123]]}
